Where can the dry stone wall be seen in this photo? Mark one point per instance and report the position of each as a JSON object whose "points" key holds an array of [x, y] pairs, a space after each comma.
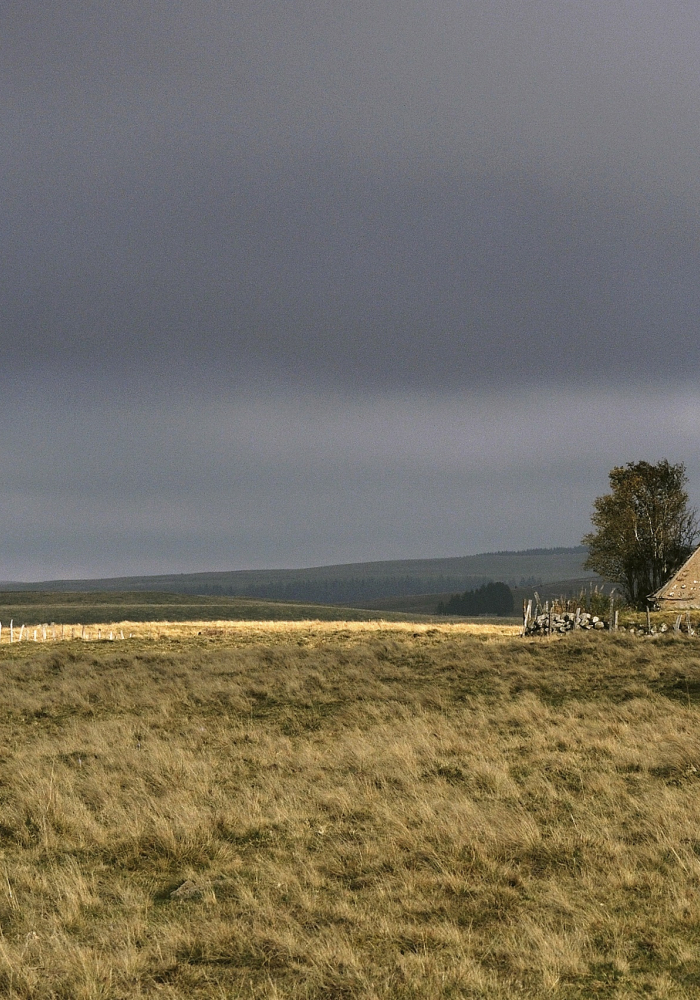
{"points": [[549, 623]]}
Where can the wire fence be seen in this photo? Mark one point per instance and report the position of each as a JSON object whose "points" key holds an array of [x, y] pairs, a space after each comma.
{"points": [[53, 632]]}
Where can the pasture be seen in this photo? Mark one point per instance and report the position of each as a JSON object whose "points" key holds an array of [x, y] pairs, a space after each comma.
{"points": [[34, 608], [350, 810]]}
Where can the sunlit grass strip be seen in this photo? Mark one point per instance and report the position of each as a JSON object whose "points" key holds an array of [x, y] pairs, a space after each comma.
{"points": [[221, 629], [302, 629]]}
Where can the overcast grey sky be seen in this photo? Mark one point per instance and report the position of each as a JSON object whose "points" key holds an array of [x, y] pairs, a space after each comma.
{"points": [[300, 283]]}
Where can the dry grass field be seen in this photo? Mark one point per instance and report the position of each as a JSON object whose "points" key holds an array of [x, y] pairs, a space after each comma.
{"points": [[346, 811], [225, 633]]}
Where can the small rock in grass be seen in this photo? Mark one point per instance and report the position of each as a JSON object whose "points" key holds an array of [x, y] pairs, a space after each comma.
{"points": [[188, 890]]}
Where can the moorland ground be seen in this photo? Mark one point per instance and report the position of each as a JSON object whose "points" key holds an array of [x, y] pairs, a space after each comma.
{"points": [[69, 608], [327, 811]]}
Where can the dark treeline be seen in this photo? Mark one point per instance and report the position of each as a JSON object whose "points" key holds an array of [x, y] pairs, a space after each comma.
{"points": [[341, 591], [490, 599]]}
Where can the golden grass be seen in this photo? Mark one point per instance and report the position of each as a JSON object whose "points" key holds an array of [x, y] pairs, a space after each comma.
{"points": [[350, 812], [235, 632]]}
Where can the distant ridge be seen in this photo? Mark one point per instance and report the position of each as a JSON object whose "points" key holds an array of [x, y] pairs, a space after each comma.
{"points": [[346, 582]]}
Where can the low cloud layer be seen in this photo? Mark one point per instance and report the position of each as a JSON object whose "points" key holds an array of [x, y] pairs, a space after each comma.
{"points": [[115, 488]]}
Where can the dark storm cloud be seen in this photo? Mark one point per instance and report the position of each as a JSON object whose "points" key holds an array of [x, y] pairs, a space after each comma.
{"points": [[376, 194], [311, 282]]}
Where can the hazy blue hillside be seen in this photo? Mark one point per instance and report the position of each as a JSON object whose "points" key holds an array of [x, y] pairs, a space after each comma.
{"points": [[352, 582]]}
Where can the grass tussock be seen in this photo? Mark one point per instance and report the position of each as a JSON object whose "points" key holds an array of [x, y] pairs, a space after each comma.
{"points": [[366, 814]]}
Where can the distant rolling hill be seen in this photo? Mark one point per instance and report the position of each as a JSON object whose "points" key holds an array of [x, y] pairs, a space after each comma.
{"points": [[426, 604], [350, 583]]}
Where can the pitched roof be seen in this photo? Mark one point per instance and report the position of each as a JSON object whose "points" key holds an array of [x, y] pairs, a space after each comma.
{"points": [[683, 585]]}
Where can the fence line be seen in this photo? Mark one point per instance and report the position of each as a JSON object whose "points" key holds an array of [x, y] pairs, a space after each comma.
{"points": [[46, 632]]}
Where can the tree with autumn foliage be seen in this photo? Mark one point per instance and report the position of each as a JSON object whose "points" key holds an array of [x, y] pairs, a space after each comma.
{"points": [[644, 528]]}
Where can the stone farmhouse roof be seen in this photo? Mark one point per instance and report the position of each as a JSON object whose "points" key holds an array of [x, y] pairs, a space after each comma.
{"points": [[683, 589]]}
